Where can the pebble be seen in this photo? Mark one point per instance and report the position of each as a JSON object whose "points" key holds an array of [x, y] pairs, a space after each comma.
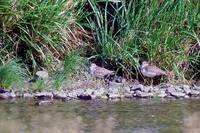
{"points": [[84, 97], [43, 95], [194, 93], [137, 87], [114, 96], [7, 95], [59, 95], [42, 74], [162, 94], [144, 94], [27, 95], [177, 94], [187, 90]]}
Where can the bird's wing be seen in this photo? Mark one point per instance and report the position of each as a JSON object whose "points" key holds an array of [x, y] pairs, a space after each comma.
{"points": [[156, 70], [103, 71]]}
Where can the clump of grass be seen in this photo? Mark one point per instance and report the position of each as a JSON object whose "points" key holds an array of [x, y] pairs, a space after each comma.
{"points": [[157, 31], [72, 63], [39, 85], [38, 32], [11, 74]]}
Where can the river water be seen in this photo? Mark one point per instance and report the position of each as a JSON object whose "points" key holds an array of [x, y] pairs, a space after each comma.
{"points": [[131, 116]]}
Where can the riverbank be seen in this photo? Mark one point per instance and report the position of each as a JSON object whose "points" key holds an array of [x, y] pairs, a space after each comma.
{"points": [[97, 89]]}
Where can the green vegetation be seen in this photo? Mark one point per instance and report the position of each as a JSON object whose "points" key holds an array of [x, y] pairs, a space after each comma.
{"points": [[119, 34], [11, 73], [165, 33], [72, 63]]}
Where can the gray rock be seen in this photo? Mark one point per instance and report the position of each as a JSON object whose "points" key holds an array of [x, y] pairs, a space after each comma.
{"points": [[114, 96], [137, 87], [27, 95], [7, 95], [105, 97], [128, 95], [156, 89], [79, 91], [115, 85], [170, 90], [72, 94], [177, 94], [4, 95], [178, 88], [84, 97], [43, 95], [186, 89], [186, 96], [162, 94], [12, 94], [90, 91], [147, 88], [114, 90], [101, 92], [59, 95], [144, 94], [194, 93], [42, 74], [127, 89], [196, 88]]}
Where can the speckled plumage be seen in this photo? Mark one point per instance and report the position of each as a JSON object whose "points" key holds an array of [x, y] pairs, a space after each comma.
{"points": [[151, 71], [99, 72]]}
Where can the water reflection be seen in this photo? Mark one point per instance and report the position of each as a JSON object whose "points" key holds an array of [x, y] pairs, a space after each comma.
{"points": [[101, 117], [192, 123]]}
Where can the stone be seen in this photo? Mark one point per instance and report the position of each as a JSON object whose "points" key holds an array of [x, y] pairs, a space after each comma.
{"points": [[127, 89], [42, 74], [104, 97], [3, 90], [177, 94], [43, 95], [100, 92], [27, 95], [147, 88], [114, 90], [84, 97], [115, 85], [114, 96], [4, 95], [7, 95], [178, 88], [79, 91], [162, 94], [128, 95], [144, 94], [137, 87], [72, 94], [170, 90], [186, 89], [12, 94], [194, 93], [59, 95], [196, 88], [186, 96], [90, 91]]}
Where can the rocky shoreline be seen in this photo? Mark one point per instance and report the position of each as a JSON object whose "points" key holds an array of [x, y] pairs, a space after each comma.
{"points": [[113, 91]]}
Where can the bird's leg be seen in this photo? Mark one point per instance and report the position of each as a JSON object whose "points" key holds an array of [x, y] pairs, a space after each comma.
{"points": [[151, 81]]}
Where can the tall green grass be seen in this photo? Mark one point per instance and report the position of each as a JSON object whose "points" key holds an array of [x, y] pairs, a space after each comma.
{"points": [[11, 73], [162, 32], [38, 32]]}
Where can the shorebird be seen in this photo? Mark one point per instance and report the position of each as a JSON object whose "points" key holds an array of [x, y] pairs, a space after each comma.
{"points": [[151, 71], [99, 72]]}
